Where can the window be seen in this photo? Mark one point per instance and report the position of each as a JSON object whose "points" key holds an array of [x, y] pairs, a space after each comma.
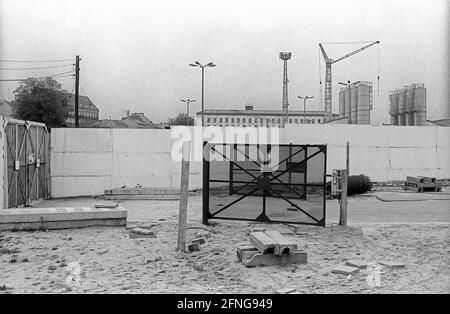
{"points": [[301, 120], [313, 121], [290, 120], [232, 120], [215, 120], [208, 120], [226, 120], [273, 121], [243, 120], [296, 121], [220, 120], [249, 120], [267, 121], [238, 120], [318, 120], [279, 121]]}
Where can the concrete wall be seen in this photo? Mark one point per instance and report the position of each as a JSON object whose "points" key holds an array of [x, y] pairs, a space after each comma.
{"points": [[88, 161]]}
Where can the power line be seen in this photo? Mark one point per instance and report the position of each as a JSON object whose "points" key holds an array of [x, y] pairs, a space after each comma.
{"points": [[347, 42], [33, 61], [58, 75], [37, 68]]}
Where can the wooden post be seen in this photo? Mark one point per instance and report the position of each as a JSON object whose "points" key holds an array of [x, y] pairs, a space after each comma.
{"points": [[343, 209], [184, 193]]}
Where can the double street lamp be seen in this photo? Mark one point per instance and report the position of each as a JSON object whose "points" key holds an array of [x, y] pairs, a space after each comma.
{"points": [[209, 65], [305, 98], [187, 101]]}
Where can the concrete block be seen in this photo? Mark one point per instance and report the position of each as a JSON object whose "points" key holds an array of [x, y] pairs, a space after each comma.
{"points": [[345, 270], [393, 264], [194, 247], [285, 291], [60, 218], [356, 263], [243, 248], [106, 205], [149, 234], [255, 258], [262, 242], [283, 245], [199, 241]]}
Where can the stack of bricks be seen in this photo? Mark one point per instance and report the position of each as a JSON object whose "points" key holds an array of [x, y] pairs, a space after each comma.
{"points": [[270, 248]]}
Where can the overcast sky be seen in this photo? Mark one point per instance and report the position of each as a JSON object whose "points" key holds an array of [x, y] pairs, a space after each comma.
{"points": [[135, 54]]}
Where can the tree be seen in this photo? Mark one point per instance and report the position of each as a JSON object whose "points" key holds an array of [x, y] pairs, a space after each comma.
{"points": [[181, 119], [41, 100]]}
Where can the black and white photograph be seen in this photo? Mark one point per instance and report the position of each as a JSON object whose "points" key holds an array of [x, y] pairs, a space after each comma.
{"points": [[228, 154]]}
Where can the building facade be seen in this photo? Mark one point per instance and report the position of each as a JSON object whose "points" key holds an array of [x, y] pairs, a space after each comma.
{"points": [[260, 118], [87, 111]]}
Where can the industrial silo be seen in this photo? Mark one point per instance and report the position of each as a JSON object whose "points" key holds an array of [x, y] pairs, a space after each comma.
{"points": [[393, 107], [363, 110], [342, 103], [402, 107], [354, 105], [410, 105], [420, 105]]}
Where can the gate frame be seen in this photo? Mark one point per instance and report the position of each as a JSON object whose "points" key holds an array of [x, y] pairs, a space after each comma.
{"points": [[206, 215], [4, 145]]}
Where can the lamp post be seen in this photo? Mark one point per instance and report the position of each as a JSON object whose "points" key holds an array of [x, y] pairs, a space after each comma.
{"points": [[304, 105], [188, 101], [349, 100], [209, 65]]}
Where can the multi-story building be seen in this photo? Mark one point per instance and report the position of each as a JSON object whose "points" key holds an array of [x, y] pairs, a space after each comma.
{"points": [[260, 118], [87, 111]]}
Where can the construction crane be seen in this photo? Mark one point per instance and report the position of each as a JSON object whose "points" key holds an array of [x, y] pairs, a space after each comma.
{"points": [[328, 80]]}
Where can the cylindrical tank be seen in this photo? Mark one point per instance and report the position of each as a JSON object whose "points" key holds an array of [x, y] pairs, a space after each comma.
{"points": [[401, 102], [410, 99], [363, 111], [341, 103], [347, 103], [354, 105], [420, 106]]}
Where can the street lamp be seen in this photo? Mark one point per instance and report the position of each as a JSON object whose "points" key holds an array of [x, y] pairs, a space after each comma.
{"points": [[304, 105], [188, 101], [349, 100], [209, 65]]}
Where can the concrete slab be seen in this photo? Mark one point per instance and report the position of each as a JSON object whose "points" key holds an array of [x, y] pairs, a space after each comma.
{"points": [[345, 270], [60, 218], [255, 258], [285, 291], [106, 205], [262, 242], [410, 196], [356, 263], [393, 264], [143, 191], [283, 245], [156, 197]]}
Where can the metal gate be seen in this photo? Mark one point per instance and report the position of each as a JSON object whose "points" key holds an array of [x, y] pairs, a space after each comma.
{"points": [[268, 183], [27, 150]]}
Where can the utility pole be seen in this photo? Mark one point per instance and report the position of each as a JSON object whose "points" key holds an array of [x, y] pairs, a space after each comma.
{"points": [[77, 86]]}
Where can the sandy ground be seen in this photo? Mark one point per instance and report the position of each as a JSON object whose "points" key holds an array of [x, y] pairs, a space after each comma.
{"points": [[106, 260]]}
